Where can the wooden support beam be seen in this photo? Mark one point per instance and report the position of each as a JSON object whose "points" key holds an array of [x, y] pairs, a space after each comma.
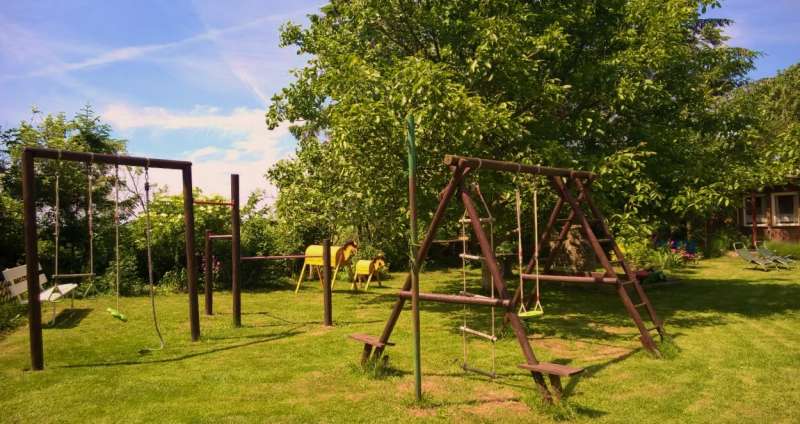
{"points": [[277, 257], [572, 278], [461, 300], [498, 165], [236, 253]]}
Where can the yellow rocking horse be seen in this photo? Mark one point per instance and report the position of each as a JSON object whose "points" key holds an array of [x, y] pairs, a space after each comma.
{"points": [[340, 257], [366, 268]]}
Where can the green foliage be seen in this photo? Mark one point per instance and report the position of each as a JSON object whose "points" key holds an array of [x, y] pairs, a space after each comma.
{"points": [[642, 254], [130, 279], [785, 248], [629, 88], [263, 235], [173, 280], [84, 132], [722, 241], [12, 315]]}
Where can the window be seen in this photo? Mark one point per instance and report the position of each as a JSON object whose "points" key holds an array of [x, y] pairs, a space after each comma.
{"points": [[784, 209], [761, 210]]}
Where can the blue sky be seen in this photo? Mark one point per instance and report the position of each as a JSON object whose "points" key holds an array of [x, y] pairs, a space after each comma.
{"points": [[192, 79]]}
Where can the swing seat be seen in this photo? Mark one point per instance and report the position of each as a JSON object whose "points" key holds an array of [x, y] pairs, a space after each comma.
{"points": [[531, 314], [117, 314]]}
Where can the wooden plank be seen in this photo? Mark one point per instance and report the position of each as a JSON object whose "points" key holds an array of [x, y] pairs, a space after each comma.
{"points": [[370, 340], [477, 333], [497, 165], [461, 300], [572, 278]]}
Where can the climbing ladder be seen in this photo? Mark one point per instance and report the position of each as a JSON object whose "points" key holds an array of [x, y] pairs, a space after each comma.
{"points": [[628, 287], [464, 328]]}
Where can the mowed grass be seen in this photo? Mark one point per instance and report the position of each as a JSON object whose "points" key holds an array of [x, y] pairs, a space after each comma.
{"points": [[736, 359]]}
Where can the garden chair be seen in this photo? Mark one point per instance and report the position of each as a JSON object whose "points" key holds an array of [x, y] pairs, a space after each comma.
{"points": [[748, 257], [762, 250], [18, 287]]}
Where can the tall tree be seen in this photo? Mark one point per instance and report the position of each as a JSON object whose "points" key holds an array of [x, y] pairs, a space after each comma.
{"points": [[625, 87], [84, 132]]}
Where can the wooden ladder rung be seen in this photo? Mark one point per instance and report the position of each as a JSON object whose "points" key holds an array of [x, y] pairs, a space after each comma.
{"points": [[554, 369], [448, 241], [370, 340], [471, 257], [591, 220], [490, 374], [63, 276], [478, 333], [468, 294], [467, 220]]}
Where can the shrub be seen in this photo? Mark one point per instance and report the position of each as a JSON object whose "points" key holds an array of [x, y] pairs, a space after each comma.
{"points": [[12, 315], [784, 248], [173, 280], [130, 283], [722, 240], [643, 255]]}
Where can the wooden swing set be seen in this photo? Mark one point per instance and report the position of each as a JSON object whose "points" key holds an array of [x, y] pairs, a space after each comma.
{"points": [[582, 211], [29, 155]]}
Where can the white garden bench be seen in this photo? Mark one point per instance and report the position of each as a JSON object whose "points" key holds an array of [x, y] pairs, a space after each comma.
{"points": [[17, 281]]}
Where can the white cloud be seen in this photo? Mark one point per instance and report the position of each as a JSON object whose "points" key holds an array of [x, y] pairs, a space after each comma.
{"points": [[254, 150], [135, 52]]}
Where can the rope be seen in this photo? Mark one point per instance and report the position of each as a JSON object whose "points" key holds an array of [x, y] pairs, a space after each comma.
{"points": [[464, 277], [57, 220], [116, 229], [538, 305], [537, 309], [519, 249], [464, 283], [150, 255], [90, 213]]}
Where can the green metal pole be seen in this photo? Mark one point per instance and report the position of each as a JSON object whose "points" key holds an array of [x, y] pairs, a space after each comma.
{"points": [[412, 254]]}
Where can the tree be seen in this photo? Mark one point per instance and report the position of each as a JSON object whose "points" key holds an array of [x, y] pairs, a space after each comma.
{"points": [[84, 132], [628, 88]]}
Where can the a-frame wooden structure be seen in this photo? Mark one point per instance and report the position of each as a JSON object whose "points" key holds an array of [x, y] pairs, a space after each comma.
{"points": [[565, 182]]}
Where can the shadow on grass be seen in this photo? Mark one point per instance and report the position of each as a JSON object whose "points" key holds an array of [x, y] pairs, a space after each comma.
{"points": [[263, 339], [581, 313], [68, 318]]}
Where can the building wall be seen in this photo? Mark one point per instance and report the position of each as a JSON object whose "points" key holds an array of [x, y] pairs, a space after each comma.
{"points": [[769, 225]]}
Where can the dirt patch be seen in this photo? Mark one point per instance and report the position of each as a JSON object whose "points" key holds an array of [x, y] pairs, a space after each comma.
{"points": [[491, 408], [607, 352], [557, 347], [614, 330], [431, 385]]}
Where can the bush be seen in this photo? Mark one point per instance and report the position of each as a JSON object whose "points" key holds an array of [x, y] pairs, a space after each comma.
{"points": [[722, 241], [130, 283], [643, 255], [784, 248], [12, 315], [173, 280]]}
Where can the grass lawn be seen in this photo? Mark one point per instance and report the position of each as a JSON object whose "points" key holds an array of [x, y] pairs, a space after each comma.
{"points": [[737, 359]]}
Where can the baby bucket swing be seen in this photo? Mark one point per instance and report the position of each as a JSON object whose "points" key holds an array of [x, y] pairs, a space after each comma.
{"points": [[537, 309]]}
